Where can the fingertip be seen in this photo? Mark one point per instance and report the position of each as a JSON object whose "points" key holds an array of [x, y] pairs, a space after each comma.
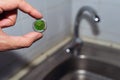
{"points": [[37, 14], [38, 35]]}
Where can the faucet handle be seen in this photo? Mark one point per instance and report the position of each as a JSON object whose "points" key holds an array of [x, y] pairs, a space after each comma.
{"points": [[74, 47]]}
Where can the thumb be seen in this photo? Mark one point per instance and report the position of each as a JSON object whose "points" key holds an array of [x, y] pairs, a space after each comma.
{"points": [[25, 40], [16, 42]]}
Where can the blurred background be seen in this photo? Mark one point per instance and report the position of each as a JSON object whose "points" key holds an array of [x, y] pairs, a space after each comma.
{"points": [[59, 16]]}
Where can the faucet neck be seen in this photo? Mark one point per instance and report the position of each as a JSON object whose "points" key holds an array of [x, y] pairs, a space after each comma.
{"points": [[92, 16]]}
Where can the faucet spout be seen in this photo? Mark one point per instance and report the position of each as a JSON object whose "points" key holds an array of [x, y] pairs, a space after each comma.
{"points": [[92, 15], [77, 43]]}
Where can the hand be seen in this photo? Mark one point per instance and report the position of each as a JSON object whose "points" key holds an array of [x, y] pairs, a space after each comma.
{"points": [[8, 15]]}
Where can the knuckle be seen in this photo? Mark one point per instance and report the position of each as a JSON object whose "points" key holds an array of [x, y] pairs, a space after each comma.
{"points": [[27, 44], [12, 23]]}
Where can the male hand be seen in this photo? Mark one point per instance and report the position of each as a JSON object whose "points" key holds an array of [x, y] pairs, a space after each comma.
{"points": [[8, 15]]}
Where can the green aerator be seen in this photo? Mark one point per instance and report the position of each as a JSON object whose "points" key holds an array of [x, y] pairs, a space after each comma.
{"points": [[39, 25]]}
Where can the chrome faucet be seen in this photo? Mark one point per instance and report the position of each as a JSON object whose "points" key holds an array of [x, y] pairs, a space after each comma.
{"points": [[77, 42]]}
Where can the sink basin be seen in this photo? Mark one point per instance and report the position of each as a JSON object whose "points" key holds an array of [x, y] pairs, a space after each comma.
{"points": [[84, 69], [95, 63]]}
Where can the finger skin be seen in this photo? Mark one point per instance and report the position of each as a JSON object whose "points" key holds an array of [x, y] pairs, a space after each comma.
{"points": [[25, 7]]}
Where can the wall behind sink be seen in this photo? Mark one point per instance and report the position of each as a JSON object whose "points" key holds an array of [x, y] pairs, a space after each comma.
{"points": [[109, 12], [57, 14]]}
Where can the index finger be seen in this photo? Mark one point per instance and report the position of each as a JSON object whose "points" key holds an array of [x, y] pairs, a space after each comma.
{"points": [[27, 8]]}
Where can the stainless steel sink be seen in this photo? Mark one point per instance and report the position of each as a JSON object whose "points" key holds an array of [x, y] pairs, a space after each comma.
{"points": [[95, 63]]}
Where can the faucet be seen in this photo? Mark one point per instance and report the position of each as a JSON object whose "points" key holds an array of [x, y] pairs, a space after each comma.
{"points": [[77, 42]]}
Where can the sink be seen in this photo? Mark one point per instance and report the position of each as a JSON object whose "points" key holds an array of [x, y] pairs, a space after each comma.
{"points": [[95, 63]]}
